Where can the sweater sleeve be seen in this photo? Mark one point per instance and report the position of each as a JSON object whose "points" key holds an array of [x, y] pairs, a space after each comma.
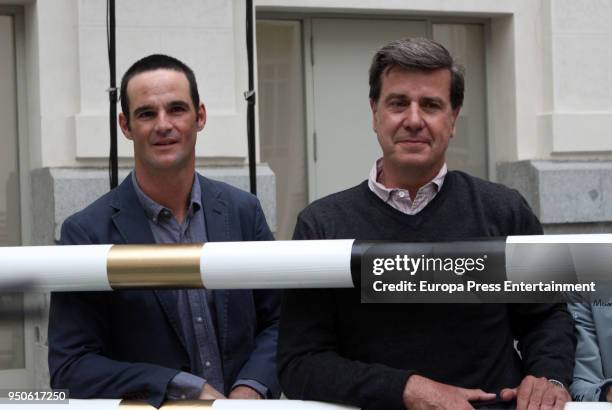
{"points": [[546, 340], [545, 332], [528, 222], [311, 366]]}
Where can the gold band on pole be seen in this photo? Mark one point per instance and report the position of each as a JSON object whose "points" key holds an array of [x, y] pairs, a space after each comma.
{"points": [[159, 266], [168, 405]]}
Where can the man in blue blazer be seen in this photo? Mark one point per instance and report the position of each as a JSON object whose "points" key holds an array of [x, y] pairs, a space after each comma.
{"points": [[165, 344]]}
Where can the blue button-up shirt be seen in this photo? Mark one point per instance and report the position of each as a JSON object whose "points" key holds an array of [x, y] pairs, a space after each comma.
{"points": [[196, 306]]}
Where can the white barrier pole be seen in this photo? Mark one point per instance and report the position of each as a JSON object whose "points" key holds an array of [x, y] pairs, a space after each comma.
{"points": [[213, 265], [268, 265]]}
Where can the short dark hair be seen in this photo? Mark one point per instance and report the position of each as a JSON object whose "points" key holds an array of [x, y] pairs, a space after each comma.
{"points": [[156, 62], [419, 54]]}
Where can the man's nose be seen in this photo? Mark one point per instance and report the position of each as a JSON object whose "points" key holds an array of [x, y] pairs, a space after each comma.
{"points": [[163, 124], [413, 118]]}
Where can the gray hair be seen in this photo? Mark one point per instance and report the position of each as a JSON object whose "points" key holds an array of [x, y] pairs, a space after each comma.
{"points": [[416, 54]]}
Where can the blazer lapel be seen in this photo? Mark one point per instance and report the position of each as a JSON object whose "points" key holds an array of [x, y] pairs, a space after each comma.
{"points": [[216, 218], [129, 218], [216, 215], [133, 226]]}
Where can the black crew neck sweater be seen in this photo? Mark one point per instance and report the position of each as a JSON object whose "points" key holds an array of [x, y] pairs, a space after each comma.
{"points": [[333, 348]]}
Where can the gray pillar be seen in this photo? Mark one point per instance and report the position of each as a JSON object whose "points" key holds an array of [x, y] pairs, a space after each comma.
{"points": [[567, 196]]}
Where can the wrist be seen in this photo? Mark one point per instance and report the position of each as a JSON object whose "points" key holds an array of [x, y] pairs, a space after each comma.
{"points": [[413, 384]]}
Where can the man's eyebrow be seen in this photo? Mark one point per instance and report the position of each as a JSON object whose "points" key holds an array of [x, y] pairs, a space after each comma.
{"points": [[396, 96], [176, 103], [438, 100]]}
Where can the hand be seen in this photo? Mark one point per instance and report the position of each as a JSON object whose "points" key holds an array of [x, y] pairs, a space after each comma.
{"points": [[422, 393], [244, 393], [609, 396], [210, 393], [537, 393]]}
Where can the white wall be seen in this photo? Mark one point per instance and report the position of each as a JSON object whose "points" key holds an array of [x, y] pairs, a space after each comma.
{"points": [[579, 119], [69, 71], [548, 77], [57, 71]]}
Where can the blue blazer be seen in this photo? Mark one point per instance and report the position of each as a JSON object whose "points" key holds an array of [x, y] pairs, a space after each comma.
{"points": [[128, 343]]}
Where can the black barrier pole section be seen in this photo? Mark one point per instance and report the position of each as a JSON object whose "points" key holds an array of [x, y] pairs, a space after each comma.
{"points": [[483, 270], [112, 93], [250, 97]]}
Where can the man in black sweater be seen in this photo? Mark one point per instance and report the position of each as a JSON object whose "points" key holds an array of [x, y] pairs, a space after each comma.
{"points": [[418, 356]]}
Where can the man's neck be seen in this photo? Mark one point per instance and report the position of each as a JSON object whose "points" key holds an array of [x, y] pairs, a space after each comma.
{"points": [[409, 179], [170, 189]]}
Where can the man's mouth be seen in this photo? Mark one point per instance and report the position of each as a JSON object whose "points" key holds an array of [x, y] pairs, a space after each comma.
{"points": [[412, 141], [165, 142]]}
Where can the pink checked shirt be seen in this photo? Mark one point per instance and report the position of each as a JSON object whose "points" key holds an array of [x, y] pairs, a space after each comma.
{"points": [[400, 198]]}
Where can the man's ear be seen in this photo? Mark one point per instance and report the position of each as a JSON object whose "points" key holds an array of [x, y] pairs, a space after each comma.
{"points": [[201, 116], [125, 126], [455, 117], [374, 108]]}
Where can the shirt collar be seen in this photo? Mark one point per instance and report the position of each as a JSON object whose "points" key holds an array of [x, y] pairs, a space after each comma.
{"points": [[383, 192], [153, 209]]}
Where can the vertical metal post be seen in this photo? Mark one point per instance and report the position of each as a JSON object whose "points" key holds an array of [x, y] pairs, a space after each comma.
{"points": [[112, 95], [250, 97]]}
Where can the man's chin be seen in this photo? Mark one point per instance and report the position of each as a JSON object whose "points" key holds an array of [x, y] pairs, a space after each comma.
{"points": [[411, 160], [167, 164]]}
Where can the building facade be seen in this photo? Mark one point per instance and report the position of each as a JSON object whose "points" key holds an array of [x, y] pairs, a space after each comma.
{"points": [[537, 115]]}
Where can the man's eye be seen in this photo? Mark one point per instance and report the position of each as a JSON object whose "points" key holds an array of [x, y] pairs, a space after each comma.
{"points": [[177, 108], [146, 114], [397, 103], [431, 105]]}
